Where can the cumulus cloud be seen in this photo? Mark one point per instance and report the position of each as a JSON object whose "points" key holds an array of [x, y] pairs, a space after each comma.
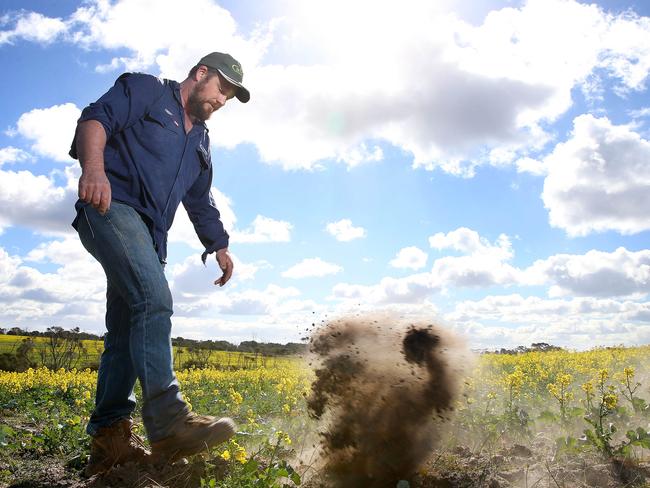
{"points": [[595, 274], [50, 130], [37, 202], [311, 267], [469, 242], [530, 165], [410, 257], [343, 230], [511, 320], [41, 299], [474, 89], [264, 229], [191, 278], [103, 24], [234, 302], [414, 289], [183, 231], [481, 264], [599, 179], [12, 154], [31, 26], [477, 93]]}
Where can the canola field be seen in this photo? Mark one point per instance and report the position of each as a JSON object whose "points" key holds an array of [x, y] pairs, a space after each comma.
{"points": [[559, 405]]}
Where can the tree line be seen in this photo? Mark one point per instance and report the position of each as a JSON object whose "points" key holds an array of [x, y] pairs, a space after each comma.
{"points": [[61, 348]]}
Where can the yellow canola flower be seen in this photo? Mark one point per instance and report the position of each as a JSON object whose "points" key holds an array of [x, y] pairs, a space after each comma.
{"points": [[225, 455], [610, 400], [240, 455], [236, 397]]}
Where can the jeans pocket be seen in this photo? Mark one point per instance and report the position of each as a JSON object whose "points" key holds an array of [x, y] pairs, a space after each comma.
{"points": [[92, 233]]}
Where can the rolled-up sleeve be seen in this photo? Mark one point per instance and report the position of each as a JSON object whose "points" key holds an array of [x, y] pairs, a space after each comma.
{"points": [[123, 104], [204, 215]]}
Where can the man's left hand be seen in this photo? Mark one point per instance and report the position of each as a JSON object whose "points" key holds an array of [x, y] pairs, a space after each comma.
{"points": [[226, 265]]}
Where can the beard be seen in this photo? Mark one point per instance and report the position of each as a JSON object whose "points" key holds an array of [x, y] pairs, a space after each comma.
{"points": [[197, 106]]}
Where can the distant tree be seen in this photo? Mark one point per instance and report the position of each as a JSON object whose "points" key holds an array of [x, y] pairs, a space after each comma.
{"points": [[20, 360], [16, 331], [62, 348], [544, 347], [198, 357]]}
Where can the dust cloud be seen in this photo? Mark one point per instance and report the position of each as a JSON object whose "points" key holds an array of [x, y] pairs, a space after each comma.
{"points": [[384, 389]]}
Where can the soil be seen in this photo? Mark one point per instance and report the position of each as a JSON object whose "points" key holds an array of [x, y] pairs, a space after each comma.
{"points": [[515, 466]]}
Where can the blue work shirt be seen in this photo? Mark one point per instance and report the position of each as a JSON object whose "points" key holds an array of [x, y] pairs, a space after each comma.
{"points": [[151, 163]]}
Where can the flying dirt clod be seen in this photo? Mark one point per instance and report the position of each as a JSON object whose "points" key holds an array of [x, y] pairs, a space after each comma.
{"points": [[384, 388]]}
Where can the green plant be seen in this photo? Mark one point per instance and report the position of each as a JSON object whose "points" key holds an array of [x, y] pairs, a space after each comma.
{"points": [[266, 468]]}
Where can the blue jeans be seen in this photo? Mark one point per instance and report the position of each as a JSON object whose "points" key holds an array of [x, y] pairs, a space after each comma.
{"points": [[138, 322]]}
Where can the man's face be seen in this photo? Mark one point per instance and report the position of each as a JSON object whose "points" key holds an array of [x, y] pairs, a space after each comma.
{"points": [[209, 95]]}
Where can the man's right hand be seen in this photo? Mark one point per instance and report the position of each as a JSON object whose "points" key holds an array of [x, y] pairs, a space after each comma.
{"points": [[94, 188]]}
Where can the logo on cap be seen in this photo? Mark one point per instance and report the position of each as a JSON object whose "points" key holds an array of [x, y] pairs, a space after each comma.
{"points": [[237, 69]]}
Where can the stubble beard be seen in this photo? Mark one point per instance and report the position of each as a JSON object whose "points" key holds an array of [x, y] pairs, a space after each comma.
{"points": [[196, 105]]}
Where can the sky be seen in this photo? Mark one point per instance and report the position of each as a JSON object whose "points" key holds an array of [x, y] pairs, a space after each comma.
{"points": [[482, 165]]}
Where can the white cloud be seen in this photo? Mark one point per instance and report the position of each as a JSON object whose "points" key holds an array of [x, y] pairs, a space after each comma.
{"points": [[103, 24], [599, 179], [51, 130], [354, 156], [469, 242], [410, 257], [482, 264], [12, 154], [511, 320], [72, 294], [231, 301], [414, 289], [264, 229], [191, 278], [532, 166], [343, 230], [473, 271], [36, 202], [311, 267], [481, 88], [183, 231], [595, 274], [640, 113], [32, 26], [478, 93]]}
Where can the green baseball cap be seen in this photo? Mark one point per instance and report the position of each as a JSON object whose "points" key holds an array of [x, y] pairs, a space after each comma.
{"points": [[230, 69]]}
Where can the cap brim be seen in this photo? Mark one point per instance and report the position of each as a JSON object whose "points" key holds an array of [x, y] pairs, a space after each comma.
{"points": [[243, 95]]}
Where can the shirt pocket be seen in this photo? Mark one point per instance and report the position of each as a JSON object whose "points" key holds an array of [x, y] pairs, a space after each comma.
{"points": [[160, 136], [164, 118]]}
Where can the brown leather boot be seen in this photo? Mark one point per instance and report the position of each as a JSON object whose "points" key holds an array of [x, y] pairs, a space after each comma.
{"points": [[115, 444], [190, 435]]}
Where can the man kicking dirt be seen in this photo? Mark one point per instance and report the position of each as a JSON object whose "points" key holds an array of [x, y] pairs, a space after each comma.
{"points": [[144, 149]]}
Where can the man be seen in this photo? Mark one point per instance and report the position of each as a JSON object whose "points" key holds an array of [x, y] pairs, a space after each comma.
{"points": [[144, 149]]}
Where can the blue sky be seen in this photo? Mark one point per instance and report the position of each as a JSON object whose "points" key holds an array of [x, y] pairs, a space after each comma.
{"points": [[485, 165]]}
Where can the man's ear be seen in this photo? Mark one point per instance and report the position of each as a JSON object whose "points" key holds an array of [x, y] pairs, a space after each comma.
{"points": [[201, 72]]}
